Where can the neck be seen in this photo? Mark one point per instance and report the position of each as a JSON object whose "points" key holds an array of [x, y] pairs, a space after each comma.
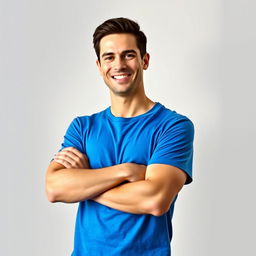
{"points": [[130, 106]]}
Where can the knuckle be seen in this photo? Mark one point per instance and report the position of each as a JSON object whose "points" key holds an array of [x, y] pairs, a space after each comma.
{"points": [[76, 158], [73, 149]]}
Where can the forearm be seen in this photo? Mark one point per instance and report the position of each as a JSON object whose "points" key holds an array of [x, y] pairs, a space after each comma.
{"points": [[140, 197], [74, 185]]}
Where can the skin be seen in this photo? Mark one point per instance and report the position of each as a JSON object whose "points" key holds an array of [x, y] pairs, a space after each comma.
{"points": [[148, 189], [69, 178], [119, 55]]}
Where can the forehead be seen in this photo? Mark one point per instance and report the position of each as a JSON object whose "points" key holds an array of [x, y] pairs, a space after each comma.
{"points": [[117, 43]]}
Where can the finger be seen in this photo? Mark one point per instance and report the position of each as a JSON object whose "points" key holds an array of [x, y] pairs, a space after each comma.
{"points": [[74, 151], [63, 162], [73, 160], [76, 155], [84, 160], [66, 158], [69, 154]]}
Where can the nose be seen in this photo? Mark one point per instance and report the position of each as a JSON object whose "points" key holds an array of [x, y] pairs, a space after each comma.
{"points": [[119, 63]]}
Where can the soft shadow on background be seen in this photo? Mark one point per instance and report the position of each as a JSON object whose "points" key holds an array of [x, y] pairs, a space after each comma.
{"points": [[202, 63]]}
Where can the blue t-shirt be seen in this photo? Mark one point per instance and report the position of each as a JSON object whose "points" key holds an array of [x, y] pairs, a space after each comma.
{"points": [[158, 136]]}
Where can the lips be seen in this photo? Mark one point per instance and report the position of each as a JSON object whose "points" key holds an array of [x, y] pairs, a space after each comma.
{"points": [[120, 76]]}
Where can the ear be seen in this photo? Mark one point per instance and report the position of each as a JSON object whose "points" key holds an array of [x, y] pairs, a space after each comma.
{"points": [[99, 66], [146, 61]]}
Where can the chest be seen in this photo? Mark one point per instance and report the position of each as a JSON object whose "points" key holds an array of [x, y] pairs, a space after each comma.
{"points": [[109, 144]]}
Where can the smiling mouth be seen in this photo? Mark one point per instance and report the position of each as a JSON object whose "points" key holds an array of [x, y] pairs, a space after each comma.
{"points": [[119, 77]]}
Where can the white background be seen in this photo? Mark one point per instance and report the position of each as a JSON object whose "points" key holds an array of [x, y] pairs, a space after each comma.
{"points": [[202, 65]]}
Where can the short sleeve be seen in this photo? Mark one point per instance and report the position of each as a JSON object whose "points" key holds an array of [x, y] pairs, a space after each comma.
{"points": [[175, 147], [72, 138]]}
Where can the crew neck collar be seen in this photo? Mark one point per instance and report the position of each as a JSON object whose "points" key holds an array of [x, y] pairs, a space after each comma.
{"points": [[151, 111]]}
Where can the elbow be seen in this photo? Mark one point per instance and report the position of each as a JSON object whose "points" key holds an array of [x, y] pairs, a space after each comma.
{"points": [[50, 187], [56, 195], [51, 197], [159, 211], [52, 194], [53, 189], [157, 207]]}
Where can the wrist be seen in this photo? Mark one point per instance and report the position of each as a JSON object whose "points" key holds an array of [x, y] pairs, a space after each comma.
{"points": [[123, 171]]}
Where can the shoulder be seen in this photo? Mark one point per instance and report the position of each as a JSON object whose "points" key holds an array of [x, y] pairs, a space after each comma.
{"points": [[84, 121], [90, 118], [170, 119]]}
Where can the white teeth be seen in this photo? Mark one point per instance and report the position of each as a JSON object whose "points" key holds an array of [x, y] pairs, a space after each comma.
{"points": [[120, 77]]}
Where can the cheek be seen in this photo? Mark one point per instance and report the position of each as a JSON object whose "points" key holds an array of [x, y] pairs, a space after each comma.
{"points": [[136, 67], [106, 68]]}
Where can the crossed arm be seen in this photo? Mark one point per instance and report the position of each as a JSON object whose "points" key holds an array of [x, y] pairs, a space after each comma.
{"points": [[147, 190]]}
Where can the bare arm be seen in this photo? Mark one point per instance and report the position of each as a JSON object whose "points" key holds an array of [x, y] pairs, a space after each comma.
{"points": [[69, 178], [153, 195]]}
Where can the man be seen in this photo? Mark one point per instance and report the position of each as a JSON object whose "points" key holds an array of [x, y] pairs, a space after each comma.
{"points": [[126, 164]]}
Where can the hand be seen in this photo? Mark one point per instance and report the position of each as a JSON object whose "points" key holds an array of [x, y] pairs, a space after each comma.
{"points": [[134, 172], [72, 158]]}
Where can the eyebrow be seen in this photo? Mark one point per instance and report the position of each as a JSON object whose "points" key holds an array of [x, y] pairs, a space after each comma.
{"points": [[124, 52]]}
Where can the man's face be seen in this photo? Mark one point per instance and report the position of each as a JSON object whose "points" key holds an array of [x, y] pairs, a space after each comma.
{"points": [[121, 65]]}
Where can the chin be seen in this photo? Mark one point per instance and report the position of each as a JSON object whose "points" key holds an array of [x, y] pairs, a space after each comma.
{"points": [[123, 93]]}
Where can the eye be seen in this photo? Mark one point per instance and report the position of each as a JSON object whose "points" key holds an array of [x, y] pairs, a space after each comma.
{"points": [[129, 56], [108, 58]]}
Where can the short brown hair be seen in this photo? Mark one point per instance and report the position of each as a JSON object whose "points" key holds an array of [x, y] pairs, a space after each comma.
{"points": [[119, 26]]}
